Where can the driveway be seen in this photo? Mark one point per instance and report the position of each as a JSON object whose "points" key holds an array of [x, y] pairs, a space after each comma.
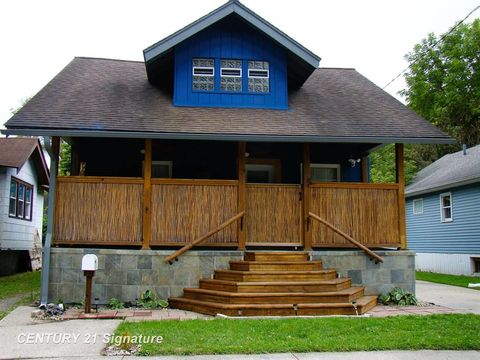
{"points": [[455, 297]]}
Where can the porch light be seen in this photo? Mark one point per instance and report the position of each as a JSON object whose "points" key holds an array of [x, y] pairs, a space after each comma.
{"points": [[353, 162]]}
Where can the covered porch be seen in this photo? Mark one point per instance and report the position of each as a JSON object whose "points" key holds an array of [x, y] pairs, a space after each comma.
{"points": [[152, 194]]}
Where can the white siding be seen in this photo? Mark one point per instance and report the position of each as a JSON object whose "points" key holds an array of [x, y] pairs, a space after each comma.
{"points": [[16, 234], [455, 264]]}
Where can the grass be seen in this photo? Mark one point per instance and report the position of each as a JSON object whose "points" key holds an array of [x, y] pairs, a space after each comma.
{"points": [[25, 284], [19, 283], [223, 336], [455, 280]]}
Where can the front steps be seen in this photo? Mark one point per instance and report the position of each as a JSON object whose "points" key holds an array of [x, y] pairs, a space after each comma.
{"points": [[275, 284]]}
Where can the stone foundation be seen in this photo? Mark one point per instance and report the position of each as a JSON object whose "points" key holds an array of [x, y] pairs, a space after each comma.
{"points": [[125, 274], [397, 270]]}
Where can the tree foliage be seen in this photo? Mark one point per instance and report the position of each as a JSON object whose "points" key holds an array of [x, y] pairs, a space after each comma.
{"points": [[443, 86]]}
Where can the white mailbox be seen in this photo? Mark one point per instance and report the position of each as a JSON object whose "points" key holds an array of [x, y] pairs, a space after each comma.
{"points": [[90, 262]]}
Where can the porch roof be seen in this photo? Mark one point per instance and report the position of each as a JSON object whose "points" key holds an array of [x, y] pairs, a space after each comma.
{"points": [[113, 98]]}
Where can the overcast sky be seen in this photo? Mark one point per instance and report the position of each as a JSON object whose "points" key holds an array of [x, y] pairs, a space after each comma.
{"points": [[39, 37]]}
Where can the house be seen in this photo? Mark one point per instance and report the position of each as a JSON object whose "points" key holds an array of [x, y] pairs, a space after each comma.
{"points": [[229, 143], [443, 214], [23, 179]]}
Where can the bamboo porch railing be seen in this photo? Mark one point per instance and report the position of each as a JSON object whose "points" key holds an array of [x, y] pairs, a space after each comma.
{"points": [[347, 237], [201, 239]]}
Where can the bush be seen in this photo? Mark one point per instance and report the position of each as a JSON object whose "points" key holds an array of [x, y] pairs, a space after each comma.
{"points": [[398, 296], [150, 300], [115, 304]]}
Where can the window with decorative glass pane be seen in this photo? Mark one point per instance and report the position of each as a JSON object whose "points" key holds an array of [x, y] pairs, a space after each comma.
{"points": [[258, 77], [21, 196], [231, 75], [203, 76], [446, 211]]}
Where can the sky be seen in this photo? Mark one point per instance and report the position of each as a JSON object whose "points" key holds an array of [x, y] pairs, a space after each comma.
{"points": [[40, 37]]}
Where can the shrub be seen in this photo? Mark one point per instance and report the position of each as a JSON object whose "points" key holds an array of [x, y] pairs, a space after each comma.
{"points": [[398, 296], [115, 304], [150, 300]]}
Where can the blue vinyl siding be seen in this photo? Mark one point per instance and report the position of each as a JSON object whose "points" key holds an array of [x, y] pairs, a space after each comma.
{"points": [[426, 232], [236, 41]]}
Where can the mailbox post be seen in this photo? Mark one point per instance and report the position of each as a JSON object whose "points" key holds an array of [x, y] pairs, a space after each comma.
{"points": [[89, 266]]}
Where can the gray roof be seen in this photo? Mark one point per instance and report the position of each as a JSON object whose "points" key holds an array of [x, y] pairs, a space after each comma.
{"points": [[452, 170], [100, 97], [229, 8]]}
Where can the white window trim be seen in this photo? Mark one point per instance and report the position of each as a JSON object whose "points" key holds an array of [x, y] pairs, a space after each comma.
{"points": [[413, 206], [231, 76], [442, 218], [204, 68], [259, 77], [328, 166]]}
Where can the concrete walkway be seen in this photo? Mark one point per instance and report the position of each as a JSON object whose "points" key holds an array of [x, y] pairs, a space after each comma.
{"points": [[371, 355], [455, 297]]}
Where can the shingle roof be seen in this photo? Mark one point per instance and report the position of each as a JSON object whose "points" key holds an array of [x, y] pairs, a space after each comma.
{"points": [[101, 95], [14, 152], [449, 171]]}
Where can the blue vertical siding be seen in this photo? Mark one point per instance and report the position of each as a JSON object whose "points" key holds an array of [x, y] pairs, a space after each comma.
{"points": [[426, 232], [227, 40]]}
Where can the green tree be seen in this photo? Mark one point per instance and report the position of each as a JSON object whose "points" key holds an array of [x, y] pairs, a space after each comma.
{"points": [[65, 158], [382, 164]]}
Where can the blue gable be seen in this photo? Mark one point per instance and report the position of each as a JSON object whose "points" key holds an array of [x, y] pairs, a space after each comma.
{"points": [[230, 39], [426, 232]]}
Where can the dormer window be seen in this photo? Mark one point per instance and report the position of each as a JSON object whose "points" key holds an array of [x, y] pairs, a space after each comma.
{"points": [[203, 74], [231, 75], [258, 77]]}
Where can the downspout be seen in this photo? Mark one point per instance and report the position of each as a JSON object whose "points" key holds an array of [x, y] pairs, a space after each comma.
{"points": [[47, 140]]}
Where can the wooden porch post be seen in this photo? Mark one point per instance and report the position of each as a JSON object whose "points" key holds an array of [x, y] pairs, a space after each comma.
{"points": [[241, 234], [400, 178], [307, 235], [147, 195], [365, 169]]}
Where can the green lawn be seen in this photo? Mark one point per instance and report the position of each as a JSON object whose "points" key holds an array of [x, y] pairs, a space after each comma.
{"points": [[455, 280], [223, 336], [19, 283]]}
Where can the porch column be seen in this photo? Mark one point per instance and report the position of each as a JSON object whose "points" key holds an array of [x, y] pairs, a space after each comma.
{"points": [[241, 234], [365, 169], [307, 235], [147, 195], [400, 179]]}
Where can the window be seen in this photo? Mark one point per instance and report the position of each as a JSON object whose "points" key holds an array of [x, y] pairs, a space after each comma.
{"points": [[161, 169], [446, 212], [21, 195], [203, 74], [418, 206], [258, 77], [325, 172], [231, 75], [260, 173]]}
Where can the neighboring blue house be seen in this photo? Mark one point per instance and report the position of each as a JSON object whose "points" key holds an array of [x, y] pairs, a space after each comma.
{"points": [[443, 214]]}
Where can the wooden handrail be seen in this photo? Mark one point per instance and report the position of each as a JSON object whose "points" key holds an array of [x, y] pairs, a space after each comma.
{"points": [[346, 236], [201, 239]]}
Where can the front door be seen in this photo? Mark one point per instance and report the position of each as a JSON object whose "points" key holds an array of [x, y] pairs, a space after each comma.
{"points": [[273, 210]]}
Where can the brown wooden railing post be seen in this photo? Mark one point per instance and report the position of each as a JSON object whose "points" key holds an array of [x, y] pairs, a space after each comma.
{"points": [[306, 233], [147, 195], [400, 178], [241, 233], [365, 169]]}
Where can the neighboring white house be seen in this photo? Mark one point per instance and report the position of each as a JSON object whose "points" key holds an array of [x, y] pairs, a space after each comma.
{"points": [[24, 177]]}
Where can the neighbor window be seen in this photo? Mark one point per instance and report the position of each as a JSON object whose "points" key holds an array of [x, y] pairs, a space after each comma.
{"points": [[446, 207], [21, 195], [203, 76], [231, 75], [325, 172], [418, 206], [258, 77]]}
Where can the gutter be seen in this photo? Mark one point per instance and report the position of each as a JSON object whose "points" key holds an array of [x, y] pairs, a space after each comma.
{"points": [[48, 239], [227, 137], [442, 187]]}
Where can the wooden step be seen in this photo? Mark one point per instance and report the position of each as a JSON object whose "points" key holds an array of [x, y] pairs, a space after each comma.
{"points": [[363, 304], [277, 256], [275, 265], [244, 276], [276, 286], [342, 296]]}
